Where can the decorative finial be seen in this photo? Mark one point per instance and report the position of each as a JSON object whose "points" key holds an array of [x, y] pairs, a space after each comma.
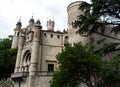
{"points": [[20, 19], [32, 15], [31, 19]]}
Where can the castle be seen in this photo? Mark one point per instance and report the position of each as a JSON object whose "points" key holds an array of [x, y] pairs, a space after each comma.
{"points": [[37, 48]]}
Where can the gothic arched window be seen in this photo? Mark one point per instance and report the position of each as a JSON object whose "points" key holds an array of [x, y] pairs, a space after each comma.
{"points": [[26, 60]]}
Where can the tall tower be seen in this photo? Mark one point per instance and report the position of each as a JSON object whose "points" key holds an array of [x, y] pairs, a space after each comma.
{"points": [[19, 53], [50, 25], [34, 54], [16, 34], [73, 13]]}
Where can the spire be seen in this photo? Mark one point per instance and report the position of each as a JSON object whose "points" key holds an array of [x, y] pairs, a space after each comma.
{"points": [[20, 19], [32, 19]]}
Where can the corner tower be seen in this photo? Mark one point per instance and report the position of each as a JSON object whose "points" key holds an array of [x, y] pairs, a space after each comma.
{"points": [[74, 11], [31, 22]]}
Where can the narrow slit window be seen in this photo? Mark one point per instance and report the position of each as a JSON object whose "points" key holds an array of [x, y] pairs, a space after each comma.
{"points": [[51, 35], [58, 36]]}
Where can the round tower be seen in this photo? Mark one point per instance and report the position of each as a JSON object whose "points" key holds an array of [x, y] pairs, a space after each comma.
{"points": [[73, 13], [19, 53], [50, 25], [16, 34]]}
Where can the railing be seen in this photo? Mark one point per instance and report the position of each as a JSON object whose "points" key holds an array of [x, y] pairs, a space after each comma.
{"points": [[19, 74], [25, 74]]}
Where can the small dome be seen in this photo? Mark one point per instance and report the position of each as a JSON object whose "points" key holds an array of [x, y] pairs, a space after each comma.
{"points": [[19, 23], [38, 22], [31, 20]]}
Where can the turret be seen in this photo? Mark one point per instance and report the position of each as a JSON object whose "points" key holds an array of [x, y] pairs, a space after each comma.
{"points": [[18, 25], [16, 34], [50, 25], [19, 53], [35, 53], [29, 30], [31, 22], [35, 47]]}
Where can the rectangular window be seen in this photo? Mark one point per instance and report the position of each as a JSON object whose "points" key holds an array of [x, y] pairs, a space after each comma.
{"points": [[58, 36], [50, 67], [51, 35]]}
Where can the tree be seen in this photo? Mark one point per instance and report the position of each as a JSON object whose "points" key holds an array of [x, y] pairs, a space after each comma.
{"points": [[7, 58], [98, 15], [111, 72], [77, 65]]}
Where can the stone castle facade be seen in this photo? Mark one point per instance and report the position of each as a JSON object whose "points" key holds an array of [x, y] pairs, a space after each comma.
{"points": [[37, 48]]}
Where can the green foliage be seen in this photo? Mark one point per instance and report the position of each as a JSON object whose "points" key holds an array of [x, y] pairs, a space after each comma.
{"points": [[7, 58], [111, 72], [5, 44], [98, 14], [79, 64], [108, 48], [76, 65]]}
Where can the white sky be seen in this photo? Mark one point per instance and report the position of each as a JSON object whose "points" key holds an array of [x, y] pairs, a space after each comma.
{"points": [[12, 10]]}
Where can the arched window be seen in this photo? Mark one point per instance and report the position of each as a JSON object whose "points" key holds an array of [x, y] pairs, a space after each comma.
{"points": [[26, 61], [66, 40], [17, 34]]}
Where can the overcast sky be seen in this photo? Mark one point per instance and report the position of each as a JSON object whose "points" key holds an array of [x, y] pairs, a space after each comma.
{"points": [[12, 10]]}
